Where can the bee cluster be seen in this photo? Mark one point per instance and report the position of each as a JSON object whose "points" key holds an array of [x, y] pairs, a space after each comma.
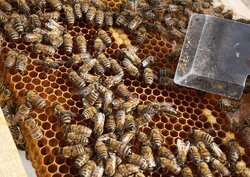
{"points": [[76, 108]]}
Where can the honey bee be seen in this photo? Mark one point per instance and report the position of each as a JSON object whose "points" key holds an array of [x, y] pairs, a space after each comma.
{"points": [[78, 11], [217, 152], [117, 103], [205, 5], [99, 46], [104, 61], [44, 49], [120, 120], [107, 106], [195, 155], [148, 61], [49, 15], [149, 14], [134, 23], [91, 98], [98, 103], [123, 91], [176, 33], [10, 59], [59, 111], [91, 13], [127, 137], [204, 170], [166, 81], [108, 18], [23, 6], [80, 129], [101, 150], [68, 43], [110, 124], [13, 34], [82, 159], [89, 112], [87, 66], [148, 155], [55, 4], [103, 35], [98, 68], [76, 79], [22, 113], [241, 169], [137, 160], [200, 135], [33, 128], [156, 138], [3, 17], [129, 122], [165, 152], [79, 58], [169, 21], [89, 78], [81, 43], [110, 165], [121, 19], [130, 53], [71, 151], [74, 138], [219, 9], [99, 17], [141, 35], [143, 119], [112, 80], [233, 150], [85, 4], [54, 26], [55, 39], [35, 99], [33, 38], [88, 168], [106, 137], [69, 14], [21, 62], [186, 172], [40, 31], [118, 161], [17, 136], [126, 170], [99, 124], [117, 146], [130, 105], [131, 69], [183, 148], [246, 136], [228, 14], [142, 137], [98, 171], [205, 154], [5, 6], [217, 165], [35, 21], [86, 90], [169, 164], [116, 68], [16, 21], [148, 76], [5, 93], [196, 7]]}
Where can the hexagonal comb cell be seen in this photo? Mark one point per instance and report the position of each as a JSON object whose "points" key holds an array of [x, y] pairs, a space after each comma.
{"points": [[195, 110]]}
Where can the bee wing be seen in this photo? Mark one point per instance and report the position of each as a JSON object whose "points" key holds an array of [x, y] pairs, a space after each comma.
{"points": [[182, 146], [39, 62]]}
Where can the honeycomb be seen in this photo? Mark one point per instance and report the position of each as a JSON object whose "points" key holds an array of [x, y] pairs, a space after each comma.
{"points": [[54, 86]]}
